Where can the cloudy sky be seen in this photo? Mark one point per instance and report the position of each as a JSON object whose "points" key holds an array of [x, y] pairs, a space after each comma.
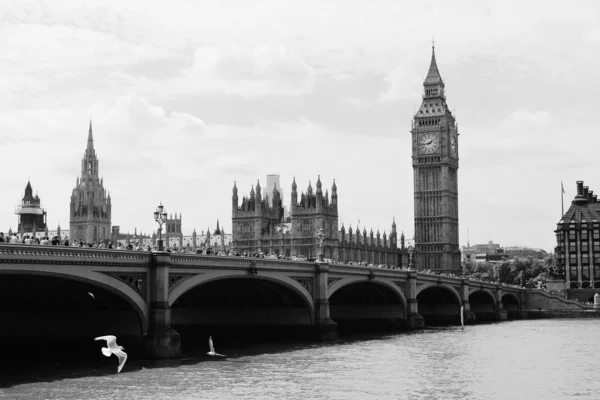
{"points": [[188, 96]]}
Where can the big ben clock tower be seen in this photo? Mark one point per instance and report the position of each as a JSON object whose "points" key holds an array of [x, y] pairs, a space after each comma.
{"points": [[435, 164]]}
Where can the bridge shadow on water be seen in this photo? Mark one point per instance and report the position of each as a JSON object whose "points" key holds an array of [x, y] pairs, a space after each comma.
{"points": [[54, 358]]}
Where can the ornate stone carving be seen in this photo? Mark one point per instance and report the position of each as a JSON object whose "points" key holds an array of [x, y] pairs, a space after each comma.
{"points": [[176, 279], [371, 275], [400, 285], [135, 281], [307, 283], [331, 281]]}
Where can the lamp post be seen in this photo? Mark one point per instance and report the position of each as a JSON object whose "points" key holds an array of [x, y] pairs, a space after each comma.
{"points": [[321, 236], [411, 251], [160, 216]]}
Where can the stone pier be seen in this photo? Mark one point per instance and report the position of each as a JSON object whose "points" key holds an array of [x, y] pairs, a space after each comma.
{"points": [[324, 328], [162, 341], [413, 319]]}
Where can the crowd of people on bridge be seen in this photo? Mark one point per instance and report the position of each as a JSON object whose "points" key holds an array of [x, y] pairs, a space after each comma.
{"points": [[138, 246]]}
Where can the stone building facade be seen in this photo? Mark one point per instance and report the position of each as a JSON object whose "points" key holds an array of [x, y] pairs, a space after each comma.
{"points": [[260, 227], [578, 241], [435, 164], [90, 213], [373, 249]]}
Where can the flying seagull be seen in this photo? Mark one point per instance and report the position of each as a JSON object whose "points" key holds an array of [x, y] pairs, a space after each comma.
{"points": [[92, 294], [212, 349], [111, 342]]}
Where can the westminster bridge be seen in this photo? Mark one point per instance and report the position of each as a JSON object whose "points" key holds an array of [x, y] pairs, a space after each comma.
{"points": [[53, 290]]}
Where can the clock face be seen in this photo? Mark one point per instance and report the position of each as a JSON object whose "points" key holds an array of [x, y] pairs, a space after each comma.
{"points": [[429, 143], [453, 146]]}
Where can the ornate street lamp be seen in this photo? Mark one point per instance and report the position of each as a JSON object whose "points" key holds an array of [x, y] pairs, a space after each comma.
{"points": [[321, 236], [411, 251], [160, 216]]}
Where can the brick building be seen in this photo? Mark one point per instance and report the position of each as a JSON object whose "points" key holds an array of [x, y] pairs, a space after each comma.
{"points": [[578, 241]]}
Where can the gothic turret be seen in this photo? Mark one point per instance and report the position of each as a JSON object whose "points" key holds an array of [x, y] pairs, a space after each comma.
{"points": [[31, 214], [90, 213], [319, 196], [334, 196]]}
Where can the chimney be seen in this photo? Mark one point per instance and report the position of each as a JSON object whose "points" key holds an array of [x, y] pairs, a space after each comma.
{"points": [[582, 194], [579, 188], [590, 196], [594, 199]]}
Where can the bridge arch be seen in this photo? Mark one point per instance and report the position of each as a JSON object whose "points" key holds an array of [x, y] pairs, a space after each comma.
{"points": [[439, 303], [450, 288], [512, 305], [285, 282], [96, 279], [350, 281], [482, 303], [363, 304]]}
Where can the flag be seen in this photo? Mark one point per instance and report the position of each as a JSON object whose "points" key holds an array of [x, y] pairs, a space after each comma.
{"points": [[562, 187]]}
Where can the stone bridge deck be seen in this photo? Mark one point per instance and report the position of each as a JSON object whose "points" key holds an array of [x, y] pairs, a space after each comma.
{"points": [[171, 289]]}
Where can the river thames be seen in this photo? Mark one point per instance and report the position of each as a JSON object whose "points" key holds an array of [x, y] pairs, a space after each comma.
{"points": [[543, 359]]}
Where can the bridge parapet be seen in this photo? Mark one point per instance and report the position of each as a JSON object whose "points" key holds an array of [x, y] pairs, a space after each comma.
{"points": [[227, 262], [34, 254]]}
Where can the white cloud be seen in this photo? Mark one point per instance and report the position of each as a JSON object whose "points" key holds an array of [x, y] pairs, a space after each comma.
{"points": [[518, 73], [266, 70]]}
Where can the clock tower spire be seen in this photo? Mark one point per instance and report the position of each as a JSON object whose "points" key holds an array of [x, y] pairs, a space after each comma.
{"points": [[435, 165]]}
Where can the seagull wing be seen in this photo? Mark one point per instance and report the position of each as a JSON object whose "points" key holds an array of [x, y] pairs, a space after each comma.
{"points": [[122, 358], [111, 341], [210, 344]]}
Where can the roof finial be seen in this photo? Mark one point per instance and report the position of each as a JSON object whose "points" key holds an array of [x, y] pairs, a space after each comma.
{"points": [[433, 43], [90, 144]]}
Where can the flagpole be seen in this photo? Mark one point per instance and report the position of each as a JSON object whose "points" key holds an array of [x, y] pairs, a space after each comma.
{"points": [[562, 203]]}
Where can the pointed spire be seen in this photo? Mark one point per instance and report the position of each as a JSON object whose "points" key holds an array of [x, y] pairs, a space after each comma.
{"points": [[28, 190], [433, 75], [90, 144]]}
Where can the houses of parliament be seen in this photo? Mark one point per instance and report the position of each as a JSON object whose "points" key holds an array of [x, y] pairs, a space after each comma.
{"points": [[260, 223]]}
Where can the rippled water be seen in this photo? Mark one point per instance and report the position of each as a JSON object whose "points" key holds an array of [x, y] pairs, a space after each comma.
{"points": [[543, 359]]}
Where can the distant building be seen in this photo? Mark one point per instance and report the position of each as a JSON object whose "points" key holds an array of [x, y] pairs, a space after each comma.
{"points": [[469, 252], [491, 252], [523, 251], [578, 241], [32, 217], [273, 182], [90, 214], [260, 227]]}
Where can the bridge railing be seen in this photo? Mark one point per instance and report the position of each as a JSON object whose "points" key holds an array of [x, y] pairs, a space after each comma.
{"points": [[37, 254], [179, 260]]}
